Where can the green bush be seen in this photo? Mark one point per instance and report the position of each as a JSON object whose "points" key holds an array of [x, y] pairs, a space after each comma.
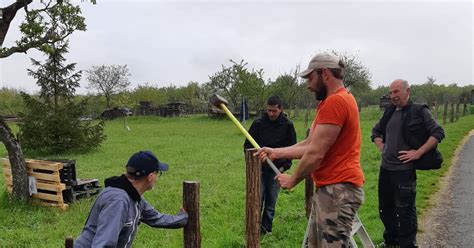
{"points": [[10, 102], [45, 129]]}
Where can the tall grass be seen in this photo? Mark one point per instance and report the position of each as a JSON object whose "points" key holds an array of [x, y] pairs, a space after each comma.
{"points": [[211, 152]]}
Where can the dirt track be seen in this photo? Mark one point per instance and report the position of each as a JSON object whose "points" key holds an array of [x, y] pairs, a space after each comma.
{"points": [[450, 222]]}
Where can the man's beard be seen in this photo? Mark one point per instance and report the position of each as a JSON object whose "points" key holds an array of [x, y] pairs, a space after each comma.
{"points": [[321, 92]]}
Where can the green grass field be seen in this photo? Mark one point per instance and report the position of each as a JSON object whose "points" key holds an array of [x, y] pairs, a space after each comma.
{"points": [[209, 151]]}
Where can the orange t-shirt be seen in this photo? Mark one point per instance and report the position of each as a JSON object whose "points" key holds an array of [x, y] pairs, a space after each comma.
{"points": [[342, 161]]}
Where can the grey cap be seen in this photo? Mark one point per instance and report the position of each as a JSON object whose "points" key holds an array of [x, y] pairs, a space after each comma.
{"points": [[322, 60]]}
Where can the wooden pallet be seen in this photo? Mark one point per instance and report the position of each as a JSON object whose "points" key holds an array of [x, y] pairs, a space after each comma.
{"points": [[81, 188], [48, 181]]}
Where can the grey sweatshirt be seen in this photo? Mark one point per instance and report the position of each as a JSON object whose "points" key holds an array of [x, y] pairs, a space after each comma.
{"points": [[114, 218]]}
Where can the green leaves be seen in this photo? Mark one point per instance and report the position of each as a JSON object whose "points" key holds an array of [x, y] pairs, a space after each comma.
{"points": [[46, 129], [54, 123], [52, 23], [237, 81]]}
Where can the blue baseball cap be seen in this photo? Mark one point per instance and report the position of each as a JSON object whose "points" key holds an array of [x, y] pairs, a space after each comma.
{"points": [[144, 163]]}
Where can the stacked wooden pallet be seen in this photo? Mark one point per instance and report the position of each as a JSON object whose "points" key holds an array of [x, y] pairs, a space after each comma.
{"points": [[82, 188], [76, 188], [48, 181]]}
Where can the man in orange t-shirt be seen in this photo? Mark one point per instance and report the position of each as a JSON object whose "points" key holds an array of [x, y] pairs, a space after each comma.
{"points": [[331, 153]]}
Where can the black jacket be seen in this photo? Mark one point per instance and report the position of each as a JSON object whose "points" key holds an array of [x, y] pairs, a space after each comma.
{"points": [[278, 133], [417, 127]]}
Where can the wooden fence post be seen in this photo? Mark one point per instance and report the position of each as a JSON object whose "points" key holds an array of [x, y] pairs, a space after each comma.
{"points": [[69, 242], [192, 233], [308, 188], [451, 118], [457, 111], [253, 199], [308, 194], [435, 110], [445, 110]]}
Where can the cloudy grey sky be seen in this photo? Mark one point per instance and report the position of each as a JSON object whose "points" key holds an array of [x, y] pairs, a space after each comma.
{"points": [[174, 42]]}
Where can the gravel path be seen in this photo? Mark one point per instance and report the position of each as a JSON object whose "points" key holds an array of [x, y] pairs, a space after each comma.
{"points": [[450, 222]]}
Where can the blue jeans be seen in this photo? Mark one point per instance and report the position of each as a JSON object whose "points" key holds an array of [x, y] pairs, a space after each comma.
{"points": [[397, 207], [269, 192]]}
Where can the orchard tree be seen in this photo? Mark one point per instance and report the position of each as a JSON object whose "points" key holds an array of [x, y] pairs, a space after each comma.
{"points": [[287, 86], [37, 32], [237, 81], [108, 80], [150, 93], [52, 124], [356, 76]]}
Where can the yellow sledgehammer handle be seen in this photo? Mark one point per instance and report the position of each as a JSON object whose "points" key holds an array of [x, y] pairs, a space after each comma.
{"points": [[247, 135]]}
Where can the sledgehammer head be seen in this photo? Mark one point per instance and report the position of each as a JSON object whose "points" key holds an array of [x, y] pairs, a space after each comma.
{"points": [[216, 100]]}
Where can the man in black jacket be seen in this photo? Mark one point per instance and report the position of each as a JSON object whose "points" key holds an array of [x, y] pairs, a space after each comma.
{"points": [[273, 129], [405, 133]]}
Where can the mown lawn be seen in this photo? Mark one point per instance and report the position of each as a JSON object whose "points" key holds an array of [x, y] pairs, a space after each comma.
{"points": [[209, 151]]}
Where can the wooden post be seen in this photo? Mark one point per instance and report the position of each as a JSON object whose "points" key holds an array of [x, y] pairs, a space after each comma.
{"points": [[69, 242], [308, 188], [457, 111], [451, 118], [308, 194], [435, 110], [445, 110], [253, 200], [192, 233]]}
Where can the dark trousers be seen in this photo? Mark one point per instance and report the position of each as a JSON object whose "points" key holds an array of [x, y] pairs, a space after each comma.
{"points": [[269, 193], [397, 207]]}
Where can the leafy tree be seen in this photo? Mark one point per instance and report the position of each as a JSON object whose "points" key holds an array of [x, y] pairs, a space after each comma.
{"points": [[375, 94], [224, 81], [148, 93], [108, 80], [54, 125], [287, 87], [56, 80], [10, 102], [45, 129], [194, 96], [356, 76], [37, 32], [36, 29], [237, 81]]}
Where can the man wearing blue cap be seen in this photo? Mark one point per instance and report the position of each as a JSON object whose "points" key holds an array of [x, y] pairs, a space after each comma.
{"points": [[119, 208]]}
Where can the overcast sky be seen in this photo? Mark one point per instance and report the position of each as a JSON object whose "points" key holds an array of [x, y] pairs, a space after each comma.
{"points": [[175, 42]]}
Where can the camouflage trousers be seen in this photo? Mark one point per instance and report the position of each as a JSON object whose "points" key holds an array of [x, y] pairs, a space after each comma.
{"points": [[333, 211]]}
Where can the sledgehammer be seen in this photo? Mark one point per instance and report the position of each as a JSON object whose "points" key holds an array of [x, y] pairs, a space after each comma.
{"points": [[221, 103]]}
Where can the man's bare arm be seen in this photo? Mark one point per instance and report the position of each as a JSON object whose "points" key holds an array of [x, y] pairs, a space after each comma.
{"points": [[295, 151], [320, 141]]}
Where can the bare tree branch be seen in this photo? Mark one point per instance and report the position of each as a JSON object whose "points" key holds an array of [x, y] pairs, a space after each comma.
{"points": [[8, 13]]}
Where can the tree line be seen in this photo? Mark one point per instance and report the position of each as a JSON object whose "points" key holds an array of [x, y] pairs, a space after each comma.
{"points": [[235, 82], [54, 115]]}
